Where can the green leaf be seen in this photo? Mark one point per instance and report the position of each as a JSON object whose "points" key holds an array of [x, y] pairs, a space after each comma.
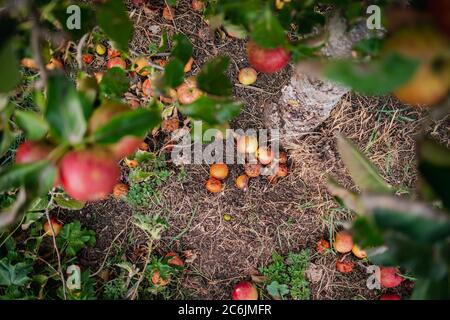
{"points": [[369, 46], [39, 183], [15, 175], [182, 48], [70, 204], [434, 167], [9, 215], [366, 233], [377, 77], [173, 75], [430, 289], [112, 17], [33, 124], [9, 64], [14, 275], [277, 290], [65, 110], [416, 227], [362, 171], [349, 199], [212, 110], [212, 78], [114, 83], [267, 32], [6, 133], [73, 238], [172, 3], [133, 123]]}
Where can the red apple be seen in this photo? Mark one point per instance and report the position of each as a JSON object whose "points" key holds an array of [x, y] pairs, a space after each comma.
{"points": [[89, 174], [31, 151], [390, 296], [389, 277], [88, 58], [267, 60], [245, 290], [102, 115]]}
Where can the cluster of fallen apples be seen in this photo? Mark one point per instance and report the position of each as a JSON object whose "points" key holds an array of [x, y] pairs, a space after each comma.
{"points": [[261, 158], [343, 244]]}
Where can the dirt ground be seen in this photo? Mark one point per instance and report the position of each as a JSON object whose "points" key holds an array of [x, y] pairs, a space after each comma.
{"points": [[289, 216]]}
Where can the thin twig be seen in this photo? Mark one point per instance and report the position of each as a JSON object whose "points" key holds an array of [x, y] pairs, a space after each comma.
{"points": [[141, 277], [47, 214], [80, 50]]}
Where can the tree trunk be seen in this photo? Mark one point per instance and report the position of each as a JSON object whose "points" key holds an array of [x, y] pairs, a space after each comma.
{"points": [[308, 100]]}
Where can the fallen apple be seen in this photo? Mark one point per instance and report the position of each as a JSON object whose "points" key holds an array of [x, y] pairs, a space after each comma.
{"points": [[343, 242], [168, 13], [264, 155], [390, 296], [147, 88], [131, 163], [52, 228], [247, 144], [267, 60], [88, 174], [322, 246], [120, 190], [188, 66], [100, 49], [158, 280], [102, 115], [219, 171], [144, 146], [141, 65], [344, 266], [54, 64], [188, 92], [113, 53], [242, 182], [173, 259], [116, 62], [389, 277], [213, 185], [244, 290], [88, 58], [360, 254], [252, 170], [197, 5], [247, 76]]}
